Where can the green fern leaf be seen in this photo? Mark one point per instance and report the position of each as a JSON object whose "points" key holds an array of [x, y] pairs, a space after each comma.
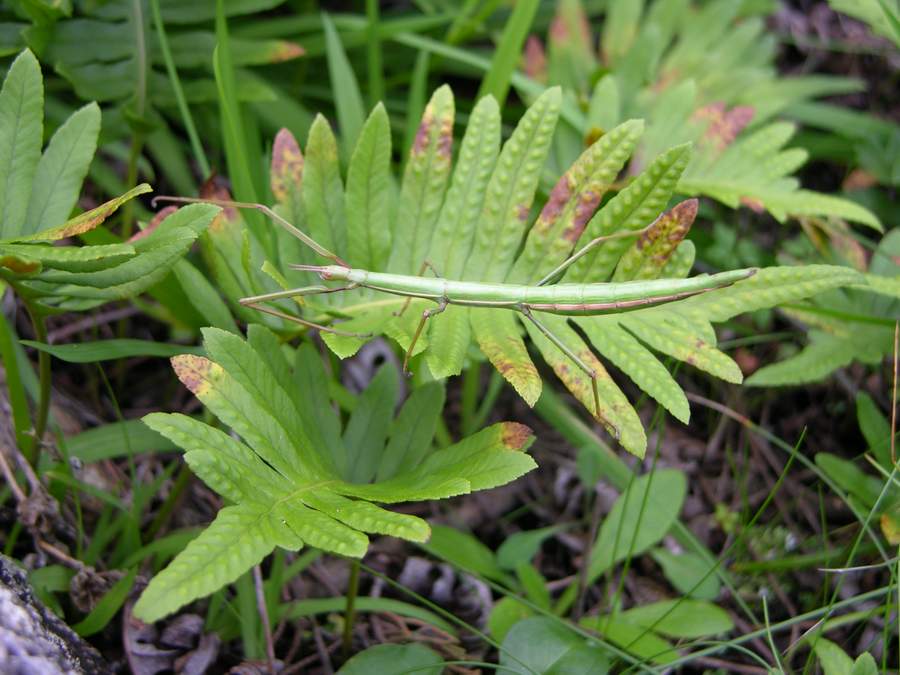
{"points": [[424, 183], [634, 207], [368, 185], [287, 493], [478, 224], [822, 357], [21, 124]]}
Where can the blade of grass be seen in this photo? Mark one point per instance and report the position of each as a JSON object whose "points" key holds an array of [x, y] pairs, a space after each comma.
{"points": [[509, 51], [106, 608], [569, 111], [233, 129], [376, 73], [18, 402], [186, 118], [351, 112], [110, 350]]}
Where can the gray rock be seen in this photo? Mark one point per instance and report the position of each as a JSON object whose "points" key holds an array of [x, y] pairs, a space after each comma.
{"points": [[33, 640]]}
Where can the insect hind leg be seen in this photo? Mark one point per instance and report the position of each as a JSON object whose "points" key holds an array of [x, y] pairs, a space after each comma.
{"points": [[585, 368], [427, 314]]}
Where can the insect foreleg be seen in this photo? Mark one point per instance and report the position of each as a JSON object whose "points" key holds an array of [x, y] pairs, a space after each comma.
{"points": [[294, 292], [584, 250], [427, 314], [585, 368], [426, 265], [283, 222], [255, 302]]}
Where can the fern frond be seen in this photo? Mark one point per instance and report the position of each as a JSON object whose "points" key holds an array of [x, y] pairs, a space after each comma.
{"points": [[288, 493]]}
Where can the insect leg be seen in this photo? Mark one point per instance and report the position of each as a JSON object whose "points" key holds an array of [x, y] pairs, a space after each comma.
{"points": [[585, 368], [294, 292], [427, 314], [426, 265], [283, 222], [255, 302], [584, 250]]}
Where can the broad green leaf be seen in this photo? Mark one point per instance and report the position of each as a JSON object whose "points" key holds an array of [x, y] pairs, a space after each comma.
{"points": [[865, 662], [317, 415], [392, 659], [682, 341], [635, 639], [689, 573], [640, 518], [425, 180], [848, 476], [110, 350], [465, 550], [875, 428], [681, 618], [62, 168], [620, 28], [21, 124], [449, 336], [71, 258], [368, 192], [505, 614], [521, 547], [832, 658], [546, 646]]}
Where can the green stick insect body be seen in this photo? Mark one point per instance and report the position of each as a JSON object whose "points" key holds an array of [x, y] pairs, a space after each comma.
{"points": [[565, 298]]}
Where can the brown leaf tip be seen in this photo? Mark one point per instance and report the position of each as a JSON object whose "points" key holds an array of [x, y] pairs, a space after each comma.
{"points": [[193, 371], [287, 164], [516, 436]]}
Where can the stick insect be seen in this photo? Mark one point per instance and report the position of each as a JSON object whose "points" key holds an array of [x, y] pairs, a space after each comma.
{"points": [[562, 298]]}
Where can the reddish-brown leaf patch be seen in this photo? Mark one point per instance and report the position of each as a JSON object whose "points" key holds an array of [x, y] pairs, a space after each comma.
{"points": [[287, 165]]}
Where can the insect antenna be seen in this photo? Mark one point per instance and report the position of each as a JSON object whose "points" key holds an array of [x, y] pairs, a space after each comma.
{"points": [[284, 223]]}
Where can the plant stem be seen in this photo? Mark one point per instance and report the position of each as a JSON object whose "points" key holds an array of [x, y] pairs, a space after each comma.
{"points": [[264, 617], [40, 423], [350, 610]]}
